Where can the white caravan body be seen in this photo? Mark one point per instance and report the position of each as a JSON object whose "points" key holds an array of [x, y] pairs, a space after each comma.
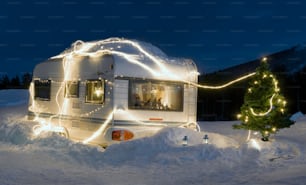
{"points": [[112, 90]]}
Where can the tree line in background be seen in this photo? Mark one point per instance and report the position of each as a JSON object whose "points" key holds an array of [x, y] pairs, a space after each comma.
{"points": [[16, 82]]}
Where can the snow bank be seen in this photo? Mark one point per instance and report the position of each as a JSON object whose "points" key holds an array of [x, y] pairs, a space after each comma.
{"points": [[13, 97], [295, 117], [156, 149], [169, 141], [161, 159]]}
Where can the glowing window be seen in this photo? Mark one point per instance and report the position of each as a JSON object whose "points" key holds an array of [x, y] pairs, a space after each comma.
{"points": [[42, 90], [156, 95], [95, 91], [72, 89]]}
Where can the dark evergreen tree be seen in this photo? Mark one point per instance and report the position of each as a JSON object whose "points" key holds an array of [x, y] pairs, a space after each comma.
{"points": [[264, 108], [15, 82], [4, 81], [26, 80]]}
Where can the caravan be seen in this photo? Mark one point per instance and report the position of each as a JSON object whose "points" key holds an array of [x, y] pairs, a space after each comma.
{"points": [[112, 90]]}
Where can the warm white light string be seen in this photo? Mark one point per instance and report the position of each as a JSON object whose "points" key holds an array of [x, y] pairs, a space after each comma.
{"points": [[261, 114], [224, 85], [101, 129], [276, 90], [82, 48]]}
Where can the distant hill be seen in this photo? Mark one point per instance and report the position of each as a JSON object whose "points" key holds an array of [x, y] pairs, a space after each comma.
{"points": [[287, 61], [289, 66]]}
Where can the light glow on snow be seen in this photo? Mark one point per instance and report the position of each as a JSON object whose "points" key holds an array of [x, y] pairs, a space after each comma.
{"points": [[46, 126], [255, 144]]}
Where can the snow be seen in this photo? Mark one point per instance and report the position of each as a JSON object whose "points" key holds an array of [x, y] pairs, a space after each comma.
{"points": [[130, 56], [162, 159], [295, 117]]}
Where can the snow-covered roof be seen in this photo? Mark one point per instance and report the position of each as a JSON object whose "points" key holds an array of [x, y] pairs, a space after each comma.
{"points": [[134, 57]]}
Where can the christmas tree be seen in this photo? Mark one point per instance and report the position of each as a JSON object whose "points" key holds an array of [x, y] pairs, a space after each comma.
{"points": [[264, 108]]}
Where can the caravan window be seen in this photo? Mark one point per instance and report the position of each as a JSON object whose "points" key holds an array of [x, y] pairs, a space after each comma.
{"points": [[72, 89], [95, 91], [42, 89], [156, 95]]}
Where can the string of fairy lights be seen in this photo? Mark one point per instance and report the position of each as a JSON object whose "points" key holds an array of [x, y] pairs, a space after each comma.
{"points": [[84, 49], [276, 91], [276, 103]]}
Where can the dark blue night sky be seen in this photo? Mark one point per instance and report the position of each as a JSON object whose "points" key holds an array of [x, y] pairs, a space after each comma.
{"points": [[215, 34]]}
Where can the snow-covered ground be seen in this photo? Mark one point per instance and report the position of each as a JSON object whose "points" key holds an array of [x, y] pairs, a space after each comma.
{"points": [[226, 159]]}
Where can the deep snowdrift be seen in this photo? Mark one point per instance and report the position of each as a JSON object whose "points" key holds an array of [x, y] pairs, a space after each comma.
{"points": [[162, 159]]}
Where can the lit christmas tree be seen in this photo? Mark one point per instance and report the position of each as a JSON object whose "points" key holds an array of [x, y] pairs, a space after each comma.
{"points": [[264, 108]]}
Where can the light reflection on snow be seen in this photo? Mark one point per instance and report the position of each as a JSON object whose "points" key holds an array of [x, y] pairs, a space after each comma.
{"points": [[254, 144], [45, 126]]}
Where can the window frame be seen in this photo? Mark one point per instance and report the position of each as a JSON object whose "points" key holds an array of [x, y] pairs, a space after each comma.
{"points": [[102, 101], [43, 87], [70, 95], [131, 94]]}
